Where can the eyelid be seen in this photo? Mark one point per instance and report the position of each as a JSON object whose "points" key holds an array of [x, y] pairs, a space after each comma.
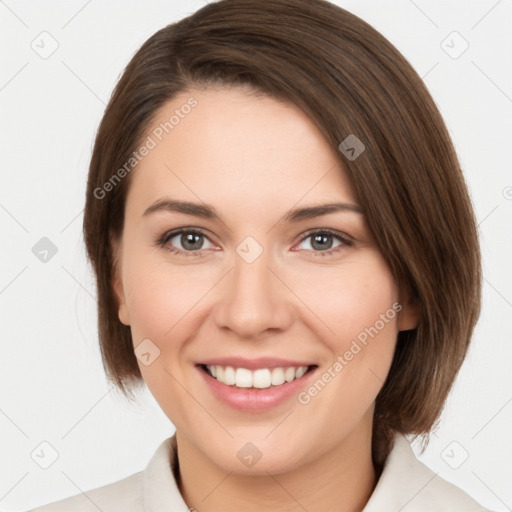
{"points": [[334, 232], [167, 235], [346, 241]]}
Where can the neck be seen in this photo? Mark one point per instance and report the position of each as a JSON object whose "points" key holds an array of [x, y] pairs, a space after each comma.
{"points": [[341, 480]]}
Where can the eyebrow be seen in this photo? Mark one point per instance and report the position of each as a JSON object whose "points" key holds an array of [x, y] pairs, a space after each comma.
{"points": [[207, 211]]}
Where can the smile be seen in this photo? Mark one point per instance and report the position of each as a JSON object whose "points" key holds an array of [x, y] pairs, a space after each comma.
{"points": [[255, 385], [260, 378]]}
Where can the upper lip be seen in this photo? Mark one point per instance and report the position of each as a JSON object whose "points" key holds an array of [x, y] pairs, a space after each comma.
{"points": [[254, 364]]}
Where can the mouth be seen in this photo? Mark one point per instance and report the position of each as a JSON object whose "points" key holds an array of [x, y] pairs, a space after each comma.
{"points": [[256, 385], [259, 378]]}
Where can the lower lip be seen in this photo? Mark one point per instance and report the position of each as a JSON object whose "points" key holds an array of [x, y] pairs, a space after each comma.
{"points": [[255, 400]]}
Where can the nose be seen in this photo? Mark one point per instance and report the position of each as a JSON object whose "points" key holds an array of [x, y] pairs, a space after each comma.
{"points": [[254, 299]]}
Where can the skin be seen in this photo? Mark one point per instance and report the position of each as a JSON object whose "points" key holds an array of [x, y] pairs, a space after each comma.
{"points": [[237, 152]]}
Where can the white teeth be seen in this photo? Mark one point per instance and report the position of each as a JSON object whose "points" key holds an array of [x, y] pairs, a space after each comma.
{"points": [[229, 376], [261, 378], [300, 372], [289, 374], [243, 378], [277, 376]]}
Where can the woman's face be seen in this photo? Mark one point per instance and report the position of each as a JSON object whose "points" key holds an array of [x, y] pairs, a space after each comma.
{"points": [[240, 279]]}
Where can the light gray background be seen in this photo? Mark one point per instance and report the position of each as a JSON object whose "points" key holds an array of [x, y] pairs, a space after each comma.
{"points": [[52, 382]]}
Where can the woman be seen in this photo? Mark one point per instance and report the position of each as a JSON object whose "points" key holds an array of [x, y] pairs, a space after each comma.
{"points": [[286, 255]]}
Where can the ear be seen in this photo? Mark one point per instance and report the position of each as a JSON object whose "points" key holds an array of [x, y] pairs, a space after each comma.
{"points": [[117, 281], [409, 315]]}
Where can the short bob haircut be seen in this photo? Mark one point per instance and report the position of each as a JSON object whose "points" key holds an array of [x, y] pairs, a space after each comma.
{"points": [[348, 79]]}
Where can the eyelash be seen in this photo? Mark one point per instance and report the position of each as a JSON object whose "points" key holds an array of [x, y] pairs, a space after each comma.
{"points": [[164, 239]]}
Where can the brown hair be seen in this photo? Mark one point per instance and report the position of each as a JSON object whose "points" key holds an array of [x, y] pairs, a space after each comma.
{"points": [[348, 79]]}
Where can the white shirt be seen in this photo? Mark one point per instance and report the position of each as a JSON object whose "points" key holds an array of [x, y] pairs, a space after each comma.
{"points": [[405, 485]]}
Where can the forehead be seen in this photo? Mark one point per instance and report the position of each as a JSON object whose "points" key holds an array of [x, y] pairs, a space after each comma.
{"points": [[234, 148]]}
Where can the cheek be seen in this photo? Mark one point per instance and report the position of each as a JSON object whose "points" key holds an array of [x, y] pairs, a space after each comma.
{"points": [[351, 299], [160, 295], [359, 305]]}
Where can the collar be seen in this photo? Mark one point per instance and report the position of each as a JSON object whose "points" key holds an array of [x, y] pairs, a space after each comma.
{"points": [[405, 485], [408, 485]]}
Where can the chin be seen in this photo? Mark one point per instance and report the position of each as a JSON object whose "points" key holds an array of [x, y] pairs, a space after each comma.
{"points": [[259, 456]]}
